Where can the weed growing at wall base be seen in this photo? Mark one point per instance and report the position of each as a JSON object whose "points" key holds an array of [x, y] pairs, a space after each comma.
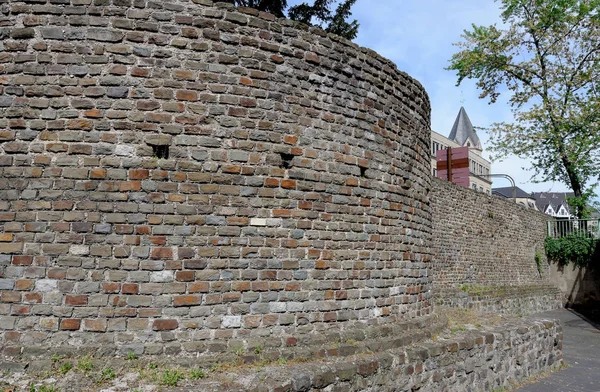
{"points": [[171, 377]]}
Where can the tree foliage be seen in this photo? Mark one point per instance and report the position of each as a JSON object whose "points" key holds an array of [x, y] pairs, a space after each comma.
{"points": [[318, 14], [547, 57], [275, 7]]}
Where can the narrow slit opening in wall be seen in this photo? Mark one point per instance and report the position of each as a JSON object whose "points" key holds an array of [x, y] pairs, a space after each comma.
{"points": [[286, 160], [161, 152], [363, 171]]}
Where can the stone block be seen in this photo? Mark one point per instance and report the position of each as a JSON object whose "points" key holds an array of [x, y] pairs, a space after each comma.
{"points": [[105, 35], [165, 325]]}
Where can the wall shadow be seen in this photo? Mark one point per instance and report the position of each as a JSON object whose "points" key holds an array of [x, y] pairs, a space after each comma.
{"points": [[589, 312], [580, 285]]}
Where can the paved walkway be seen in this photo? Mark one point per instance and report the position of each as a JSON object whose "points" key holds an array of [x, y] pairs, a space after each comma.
{"points": [[581, 351]]}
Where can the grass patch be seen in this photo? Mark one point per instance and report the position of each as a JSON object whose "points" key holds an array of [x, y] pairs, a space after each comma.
{"points": [[457, 329], [41, 388], [461, 320], [131, 356], [197, 374], [85, 364], [171, 377], [107, 374], [65, 368]]}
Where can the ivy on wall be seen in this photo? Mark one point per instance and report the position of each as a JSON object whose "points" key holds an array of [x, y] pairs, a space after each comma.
{"points": [[578, 249]]}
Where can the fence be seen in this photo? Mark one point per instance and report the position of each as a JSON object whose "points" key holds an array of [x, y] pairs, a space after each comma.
{"points": [[579, 227]]}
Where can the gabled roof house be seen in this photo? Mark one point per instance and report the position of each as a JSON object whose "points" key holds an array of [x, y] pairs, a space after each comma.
{"points": [[554, 203]]}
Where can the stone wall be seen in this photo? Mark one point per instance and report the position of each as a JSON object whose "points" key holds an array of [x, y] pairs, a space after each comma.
{"points": [[482, 242], [485, 240], [182, 174], [498, 358], [516, 300]]}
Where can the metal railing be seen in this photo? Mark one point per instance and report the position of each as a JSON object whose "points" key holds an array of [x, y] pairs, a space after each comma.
{"points": [[580, 227]]}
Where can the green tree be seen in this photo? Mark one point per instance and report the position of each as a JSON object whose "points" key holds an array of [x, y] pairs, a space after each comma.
{"points": [[547, 57], [318, 14], [275, 7]]}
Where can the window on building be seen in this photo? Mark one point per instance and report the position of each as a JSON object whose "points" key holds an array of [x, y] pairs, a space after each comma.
{"points": [[474, 186]]}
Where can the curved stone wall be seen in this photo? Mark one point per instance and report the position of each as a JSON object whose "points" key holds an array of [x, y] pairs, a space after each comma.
{"points": [[175, 173]]}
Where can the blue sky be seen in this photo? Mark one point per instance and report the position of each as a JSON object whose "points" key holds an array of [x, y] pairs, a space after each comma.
{"points": [[418, 35]]}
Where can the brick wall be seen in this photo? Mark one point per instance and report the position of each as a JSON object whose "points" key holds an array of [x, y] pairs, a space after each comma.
{"points": [[480, 239], [485, 242], [175, 172]]}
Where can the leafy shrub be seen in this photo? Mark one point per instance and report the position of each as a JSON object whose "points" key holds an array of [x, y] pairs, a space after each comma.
{"points": [[579, 249]]}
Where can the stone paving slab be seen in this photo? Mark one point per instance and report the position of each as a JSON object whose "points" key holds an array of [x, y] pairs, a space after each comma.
{"points": [[581, 351]]}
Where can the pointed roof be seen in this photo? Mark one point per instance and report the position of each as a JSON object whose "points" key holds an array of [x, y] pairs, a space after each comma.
{"points": [[463, 130], [552, 199], [506, 192]]}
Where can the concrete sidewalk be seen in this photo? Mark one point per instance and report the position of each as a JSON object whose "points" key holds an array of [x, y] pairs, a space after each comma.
{"points": [[581, 351]]}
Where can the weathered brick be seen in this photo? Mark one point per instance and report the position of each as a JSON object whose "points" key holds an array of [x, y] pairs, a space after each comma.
{"points": [[117, 92], [186, 95], [164, 325], [76, 300], [94, 325], [22, 33], [11, 247], [162, 253], [187, 300], [105, 35], [130, 288], [70, 324], [199, 287]]}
